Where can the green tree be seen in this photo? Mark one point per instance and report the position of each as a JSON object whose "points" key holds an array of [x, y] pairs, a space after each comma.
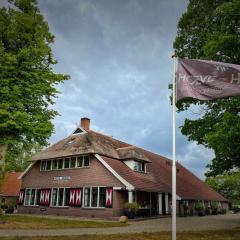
{"points": [[27, 80], [210, 30], [228, 185], [18, 157]]}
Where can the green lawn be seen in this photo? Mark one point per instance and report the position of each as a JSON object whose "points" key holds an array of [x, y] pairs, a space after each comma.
{"points": [[206, 235], [29, 222]]}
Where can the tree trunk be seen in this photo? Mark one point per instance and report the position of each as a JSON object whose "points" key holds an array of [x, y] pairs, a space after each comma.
{"points": [[3, 151]]}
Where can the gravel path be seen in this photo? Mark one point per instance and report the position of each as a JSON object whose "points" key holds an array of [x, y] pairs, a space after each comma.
{"points": [[218, 222]]}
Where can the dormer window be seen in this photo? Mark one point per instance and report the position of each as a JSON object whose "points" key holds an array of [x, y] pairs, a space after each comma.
{"points": [[139, 166], [78, 130]]}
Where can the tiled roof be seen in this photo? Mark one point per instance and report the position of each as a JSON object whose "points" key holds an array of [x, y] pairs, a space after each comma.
{"points": [[11, 184], [157, 178]]}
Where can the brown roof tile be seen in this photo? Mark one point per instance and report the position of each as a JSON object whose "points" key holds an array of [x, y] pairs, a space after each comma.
{"points": [[11, 184]]}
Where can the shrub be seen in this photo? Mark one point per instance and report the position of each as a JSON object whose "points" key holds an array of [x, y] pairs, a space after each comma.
{"points": [[131, 206]]}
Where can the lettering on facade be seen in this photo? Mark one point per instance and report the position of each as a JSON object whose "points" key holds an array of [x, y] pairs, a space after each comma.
{"points": [[62, 178]]}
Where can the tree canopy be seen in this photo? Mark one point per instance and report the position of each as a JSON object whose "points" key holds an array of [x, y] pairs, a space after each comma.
{"points": [[228, 185], [211, 30], [27, 80]]}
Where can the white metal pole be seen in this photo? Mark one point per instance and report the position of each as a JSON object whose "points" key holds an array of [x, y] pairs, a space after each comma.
{"points": [[174, 153]]}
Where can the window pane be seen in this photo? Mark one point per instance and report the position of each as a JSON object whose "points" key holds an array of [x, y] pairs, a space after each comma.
{"points": [[142, 167], [54, 196], [60, 196], [38, 197], [66, 162], [49, 165], [27, 198], [43, 165], [54, 164], [94, 197], [86, 161], [73, 161], [80, 161], [32, 197], [87, 197], [102, 196], [67, 196], [60, 163]]}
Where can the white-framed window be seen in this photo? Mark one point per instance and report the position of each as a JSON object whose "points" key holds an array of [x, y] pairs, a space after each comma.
{"points": [[65, 163], [72, 162], [32, 197], [54, 164], [139, 166], [46, 165], [83, 161], [94, 197], [60, 197]]}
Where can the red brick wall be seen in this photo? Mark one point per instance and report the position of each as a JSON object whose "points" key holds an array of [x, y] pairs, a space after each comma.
{"points": [[94, 175]]}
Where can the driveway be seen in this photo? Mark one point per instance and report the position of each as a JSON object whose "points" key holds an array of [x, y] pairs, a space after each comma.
{"points": [[218, 222]]}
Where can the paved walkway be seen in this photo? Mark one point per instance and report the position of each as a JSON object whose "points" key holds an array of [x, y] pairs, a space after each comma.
{"points": [[218, 222]]}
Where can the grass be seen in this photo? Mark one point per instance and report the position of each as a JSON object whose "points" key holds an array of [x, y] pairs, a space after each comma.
{"points": [[28, 222], [204, 235]]}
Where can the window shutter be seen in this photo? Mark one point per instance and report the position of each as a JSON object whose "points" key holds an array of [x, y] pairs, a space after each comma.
{"points": [[109, 197], [47, 197], [21, 197], [42, 197], [78, 202], [72, 197]]}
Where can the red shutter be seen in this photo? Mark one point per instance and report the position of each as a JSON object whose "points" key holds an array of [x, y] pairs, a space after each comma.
{"points": [[21, 197], [72, 197], [109, 192], [47, 197], [78, 197], [42, 197]]}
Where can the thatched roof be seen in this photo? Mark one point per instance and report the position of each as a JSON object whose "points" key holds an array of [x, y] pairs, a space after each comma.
{"points": [[91, 142]]}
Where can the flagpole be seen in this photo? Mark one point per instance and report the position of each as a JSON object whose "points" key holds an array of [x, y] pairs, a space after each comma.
{"points": [[174, 153]]}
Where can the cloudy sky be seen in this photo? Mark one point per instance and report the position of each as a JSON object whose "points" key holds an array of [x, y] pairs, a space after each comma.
{"points": [[118, 53]]}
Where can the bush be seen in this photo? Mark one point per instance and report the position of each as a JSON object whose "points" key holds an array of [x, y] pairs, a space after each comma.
{"points": [[4, 206], [133, 207], [199, 207], [223, 211], [214, 206]]}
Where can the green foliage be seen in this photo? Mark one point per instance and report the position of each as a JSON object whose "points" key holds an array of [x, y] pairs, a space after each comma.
{"points": [[18, 156], [228, 185], [131, 206], [210, 30], [199, 207], [214, 206], [27, 81]]}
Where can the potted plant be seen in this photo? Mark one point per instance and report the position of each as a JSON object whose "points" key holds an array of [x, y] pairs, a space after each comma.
{"points": [[131, 209], [214, 208], [185, 208], [11, 206], [199, 207]]}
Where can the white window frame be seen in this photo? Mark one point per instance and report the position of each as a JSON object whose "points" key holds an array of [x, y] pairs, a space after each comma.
{"points": [[64, 198], [63, 167], [29, 201], [139, 162], [98, 197]]}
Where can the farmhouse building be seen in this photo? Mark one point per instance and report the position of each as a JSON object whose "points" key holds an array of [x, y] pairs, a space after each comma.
{"points": [[93, 175]]}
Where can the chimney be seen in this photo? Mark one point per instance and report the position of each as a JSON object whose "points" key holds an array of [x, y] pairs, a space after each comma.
{"points": [[85, 123]]}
